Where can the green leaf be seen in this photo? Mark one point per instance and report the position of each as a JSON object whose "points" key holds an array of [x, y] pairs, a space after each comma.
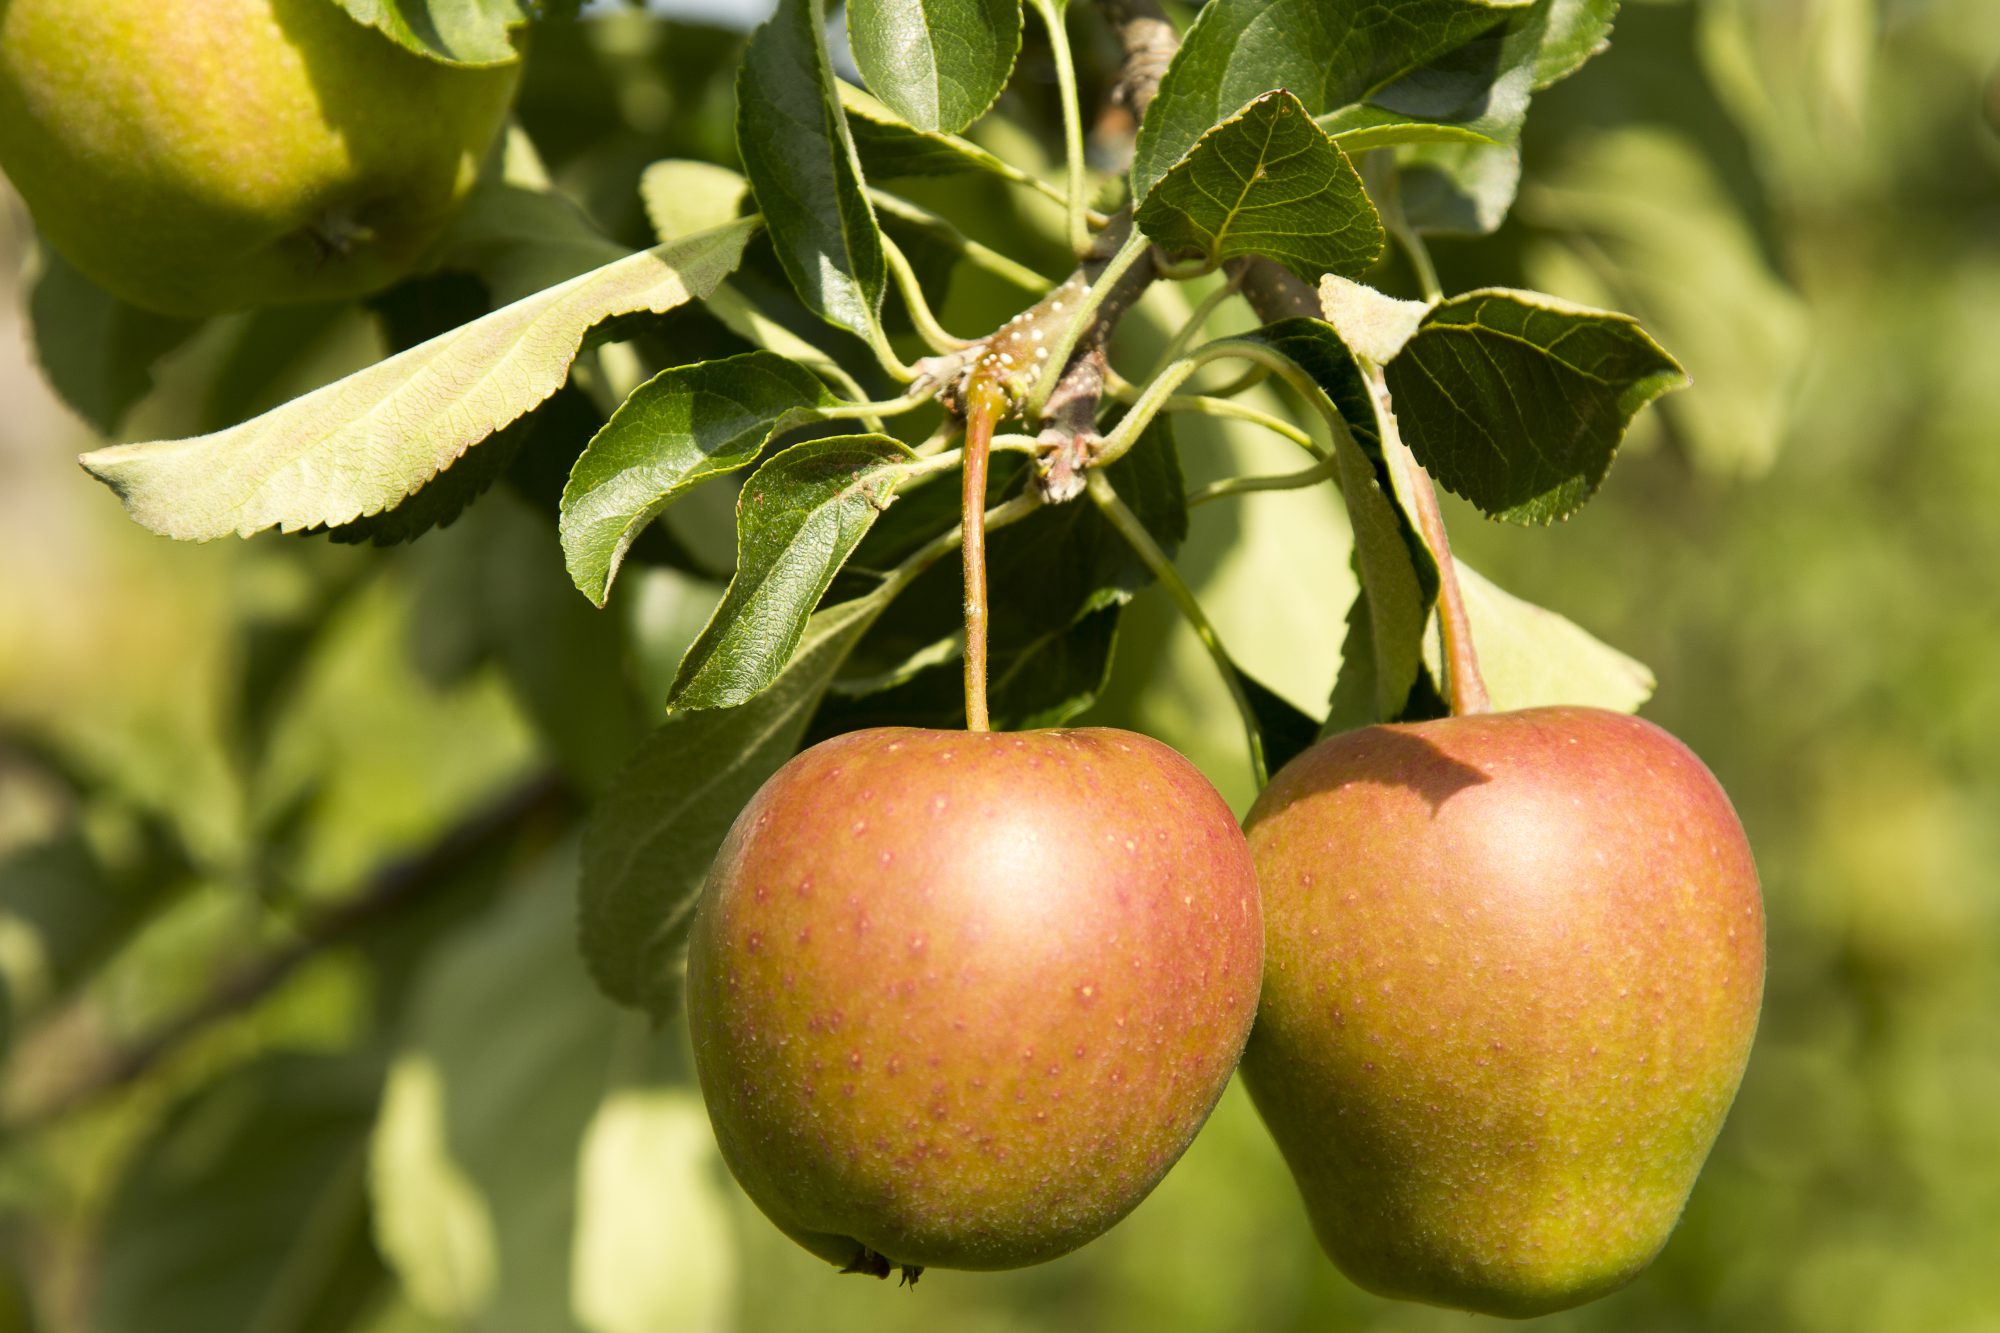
{"points": [[1373, 326], [553, 429], [1267, 181], [1398, 574], [522, 239], [563, 661], [736, 312], [1530, 656], [358, 446], [1044, 682], [1454, 189], [461, 32], [890, 146], [653, 1248], [1637, 220], [68, 904], [245, 1209], [1392, 132], [798, 519], [1354, 65], [683, 196], [1516, 401], [1355, 701], [440, 504], [937, 63], [678, 429], [487, 1167], [96, 351], [1466, 188], [651, 837], [796, 150], [1573, 32], [1284, 731]]}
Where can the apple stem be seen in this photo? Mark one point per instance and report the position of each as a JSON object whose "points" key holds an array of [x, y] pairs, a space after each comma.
{"points": [[984, 404], [1465, 685]]}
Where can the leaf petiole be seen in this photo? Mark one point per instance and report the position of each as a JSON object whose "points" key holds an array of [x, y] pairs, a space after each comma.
{"points": [[1105, 497], [1156, 395], [1379, 169], [1196, 320], [1228, 407], [1465, 684], [1051, 14], [1001, 266], [1289, 481], [921, 317], [887, 407]]}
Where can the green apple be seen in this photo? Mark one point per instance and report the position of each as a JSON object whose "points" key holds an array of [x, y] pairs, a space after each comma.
{"points": [[200, 156], [1513, 968], [961, 999]]}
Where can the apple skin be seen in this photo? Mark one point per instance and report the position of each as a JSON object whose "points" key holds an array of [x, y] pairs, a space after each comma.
{"points": [[961, 999], [201, 156], [1513, 968]]}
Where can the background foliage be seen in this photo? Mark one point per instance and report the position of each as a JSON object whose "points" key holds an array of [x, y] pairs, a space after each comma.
{"points": [[435, 1121]]}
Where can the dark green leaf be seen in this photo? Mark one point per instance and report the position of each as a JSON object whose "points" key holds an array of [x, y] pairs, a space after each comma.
{"points": [[937, 63], [796, 151], [1357, 66], [246, 1209], [469, 32], [1042, 682], [1283, 730], [650, 839], [1481, 86], [677, 430], [73, 903], [96, 351], [1517, 401], [800, 516], [1466, 188], [1354, 701], [1396, 567], [1267, 181], [488, 1160], [1044, 574], [564, 662], [521, 239], [1637, 220], [890, 146], [1458, 189]]}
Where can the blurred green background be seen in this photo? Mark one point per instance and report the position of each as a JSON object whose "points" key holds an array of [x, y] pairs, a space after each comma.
{"points": [[418, 1114]]}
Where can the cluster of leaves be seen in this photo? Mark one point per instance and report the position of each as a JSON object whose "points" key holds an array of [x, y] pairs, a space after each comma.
{"points": [[1849, 715], [1299, 135]]}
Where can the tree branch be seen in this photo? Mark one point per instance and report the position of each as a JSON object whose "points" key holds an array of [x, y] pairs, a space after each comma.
{"points": [[1273, 290], [1149, 42], [392, 888]]}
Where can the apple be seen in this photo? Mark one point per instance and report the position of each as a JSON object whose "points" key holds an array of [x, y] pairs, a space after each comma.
{"points": [[1513, 968], [962, 998], [200, 156]]}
